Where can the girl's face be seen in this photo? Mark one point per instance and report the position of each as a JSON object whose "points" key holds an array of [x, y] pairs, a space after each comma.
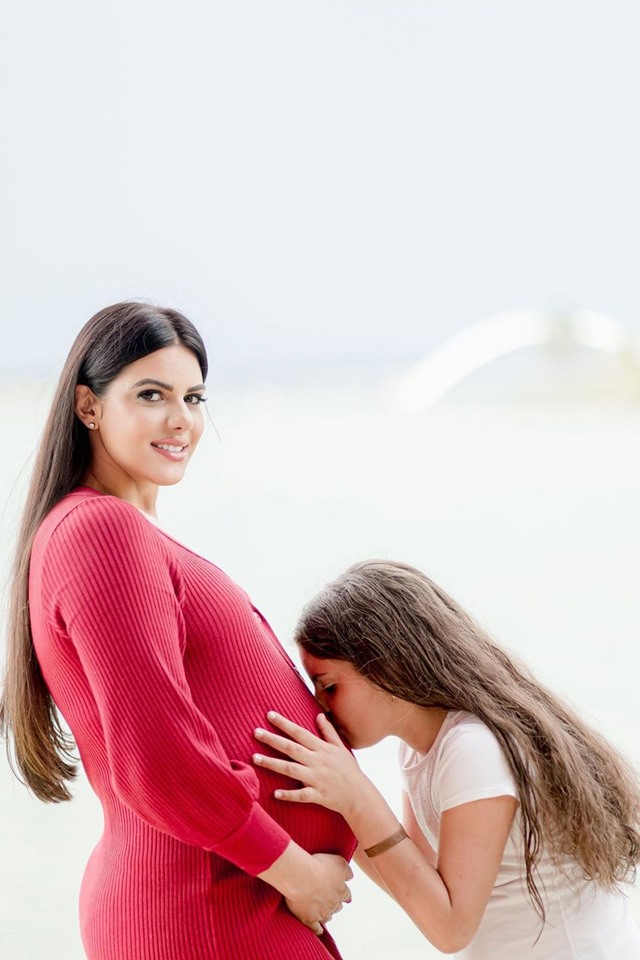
{"points": [[362, 713], [148, 421]]}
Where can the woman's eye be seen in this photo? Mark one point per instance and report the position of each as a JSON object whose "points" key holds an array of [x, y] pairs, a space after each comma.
{"points": [[153, 395], [330, 688], [194, 399]]}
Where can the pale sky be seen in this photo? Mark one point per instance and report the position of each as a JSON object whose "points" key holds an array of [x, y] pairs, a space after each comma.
{"points": [[326, 179]]}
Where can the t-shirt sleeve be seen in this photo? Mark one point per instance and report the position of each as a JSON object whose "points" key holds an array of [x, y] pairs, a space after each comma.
{"points": [[117, 596], [471, 766]]}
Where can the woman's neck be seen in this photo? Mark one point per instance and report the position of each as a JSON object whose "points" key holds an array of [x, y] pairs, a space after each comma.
{"points": [[143, 500]]}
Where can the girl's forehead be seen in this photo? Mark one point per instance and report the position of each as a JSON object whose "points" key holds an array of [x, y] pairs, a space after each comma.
{"points": [[317, 667]]}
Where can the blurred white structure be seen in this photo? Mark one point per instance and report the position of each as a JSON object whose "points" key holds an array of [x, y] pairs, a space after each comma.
{"points": [[478, 344]]}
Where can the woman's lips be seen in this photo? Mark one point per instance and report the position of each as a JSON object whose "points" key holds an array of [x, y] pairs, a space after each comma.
{"points": [[172, 451]]}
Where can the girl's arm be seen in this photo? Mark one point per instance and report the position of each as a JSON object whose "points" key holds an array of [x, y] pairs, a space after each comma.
{"points": [[446, 900], [412, 827], [410, 824], [368, 866]]}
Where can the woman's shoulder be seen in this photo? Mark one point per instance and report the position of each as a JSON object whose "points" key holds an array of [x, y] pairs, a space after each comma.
{"points": [[89, 534], [85, 515]]}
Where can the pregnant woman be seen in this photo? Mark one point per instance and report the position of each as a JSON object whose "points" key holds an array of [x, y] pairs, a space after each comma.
{"points": [[161, 667]]}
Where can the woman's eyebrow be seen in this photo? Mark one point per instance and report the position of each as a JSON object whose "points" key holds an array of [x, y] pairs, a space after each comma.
{"points": [[148, 381], [166, 386]]}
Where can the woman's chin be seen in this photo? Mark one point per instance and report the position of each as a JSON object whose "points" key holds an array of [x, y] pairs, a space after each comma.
{"points": [[169, 478]]}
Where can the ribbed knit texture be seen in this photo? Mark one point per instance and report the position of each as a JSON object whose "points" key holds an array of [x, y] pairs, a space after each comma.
{"points": [[162, 668]]}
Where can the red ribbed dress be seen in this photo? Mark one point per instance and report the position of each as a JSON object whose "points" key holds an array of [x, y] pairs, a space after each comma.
{"points": [[162, 669]]}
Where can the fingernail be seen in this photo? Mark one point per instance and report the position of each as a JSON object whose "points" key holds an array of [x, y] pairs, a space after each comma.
{"points": [[272, 715], [258, 732], [258, 758], [277, 794]]}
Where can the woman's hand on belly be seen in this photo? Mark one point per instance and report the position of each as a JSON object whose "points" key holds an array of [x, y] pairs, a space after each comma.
{"points": [[316, 909], [314, 885]]}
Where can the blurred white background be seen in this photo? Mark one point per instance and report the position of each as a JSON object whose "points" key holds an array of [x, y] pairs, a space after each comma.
{"points": [[331, 191]]}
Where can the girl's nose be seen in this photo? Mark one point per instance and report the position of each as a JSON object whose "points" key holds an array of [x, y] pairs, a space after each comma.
{"points": [[321, 697]]}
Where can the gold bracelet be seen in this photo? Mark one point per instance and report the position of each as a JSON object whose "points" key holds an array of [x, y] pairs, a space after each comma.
{"points": [[391, 841]]}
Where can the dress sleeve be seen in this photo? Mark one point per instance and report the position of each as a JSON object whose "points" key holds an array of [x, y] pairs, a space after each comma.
{"points": [[117, 596], [471, 766]]}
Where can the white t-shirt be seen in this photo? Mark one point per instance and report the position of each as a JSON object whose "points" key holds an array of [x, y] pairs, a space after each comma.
{"points": [[583, 921]]}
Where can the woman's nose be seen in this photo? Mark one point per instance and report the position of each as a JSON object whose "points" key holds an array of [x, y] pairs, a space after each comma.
{"points": [[180, 416]]}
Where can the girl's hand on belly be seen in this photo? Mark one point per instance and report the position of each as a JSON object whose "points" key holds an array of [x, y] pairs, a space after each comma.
{"points": [[329, 771]]}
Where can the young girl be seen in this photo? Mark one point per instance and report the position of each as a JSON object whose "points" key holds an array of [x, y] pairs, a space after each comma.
{"points": [[161, 666], [520, 822]]}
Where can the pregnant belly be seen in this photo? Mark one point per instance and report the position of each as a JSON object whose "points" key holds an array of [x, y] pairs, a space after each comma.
{"points": [[311, 826]]}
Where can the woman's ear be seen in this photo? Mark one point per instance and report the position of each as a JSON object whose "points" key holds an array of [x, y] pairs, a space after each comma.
{"points": [[87, 406]]}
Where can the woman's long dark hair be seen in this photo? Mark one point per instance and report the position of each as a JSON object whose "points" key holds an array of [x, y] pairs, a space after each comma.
{"points": [[578, 796], [112, 339]]}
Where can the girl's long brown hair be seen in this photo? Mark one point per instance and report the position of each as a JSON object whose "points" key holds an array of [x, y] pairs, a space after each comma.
{"points": [[115, 337], [578, 796]]}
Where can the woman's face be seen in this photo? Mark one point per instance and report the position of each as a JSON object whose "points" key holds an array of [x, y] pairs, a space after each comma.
{"points": [[149, 420], [362, 713]]}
